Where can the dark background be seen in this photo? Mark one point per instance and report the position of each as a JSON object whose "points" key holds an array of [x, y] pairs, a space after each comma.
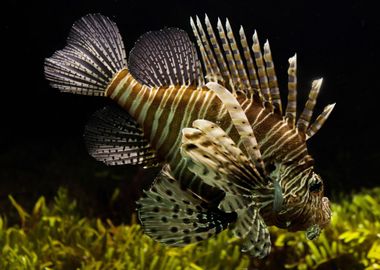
{"points": [[41, 129]]}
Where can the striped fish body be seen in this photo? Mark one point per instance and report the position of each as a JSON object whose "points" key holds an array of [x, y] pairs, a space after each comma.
{"points": [[230, 157], [163, 112]]}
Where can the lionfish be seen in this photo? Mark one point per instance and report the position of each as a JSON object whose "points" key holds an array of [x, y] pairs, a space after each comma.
{"points": [[230, 156]]}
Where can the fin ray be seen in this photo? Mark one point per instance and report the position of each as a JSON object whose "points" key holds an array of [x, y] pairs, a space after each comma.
{"points": [[257, 242], [177, 217], [291, 107], [272, 79], [318, 123], [261, 71], [93, 54], [250, 65], [165, 57], [241, 123], [303, 121], [114, 138]]}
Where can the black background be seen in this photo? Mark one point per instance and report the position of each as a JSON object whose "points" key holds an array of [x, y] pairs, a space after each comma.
{"points": [[41, 129]]}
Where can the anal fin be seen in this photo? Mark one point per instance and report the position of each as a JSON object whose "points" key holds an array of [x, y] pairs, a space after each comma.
{"points": [[113, 137]]}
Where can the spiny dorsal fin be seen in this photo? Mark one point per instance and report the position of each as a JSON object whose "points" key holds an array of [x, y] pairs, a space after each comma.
{"points": [[241, 73], [255, 76], [165, 57], [234, 80], [177, 217], [305, 117], [318, 123], [218, 53], [231, 66], [250, 65], [272, 79], [261, 71], [291, 107], [303, 123], [215, 74], [114, 138]]}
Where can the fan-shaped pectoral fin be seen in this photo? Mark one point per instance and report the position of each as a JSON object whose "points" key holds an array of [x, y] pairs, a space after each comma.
{"points": [[241, 123], [214, 157]]}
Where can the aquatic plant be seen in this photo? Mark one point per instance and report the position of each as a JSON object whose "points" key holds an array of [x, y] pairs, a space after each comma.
{"points": [[56, 236]]}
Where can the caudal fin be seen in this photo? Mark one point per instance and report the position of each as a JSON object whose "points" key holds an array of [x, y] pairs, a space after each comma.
{"points": [[93, 55]]}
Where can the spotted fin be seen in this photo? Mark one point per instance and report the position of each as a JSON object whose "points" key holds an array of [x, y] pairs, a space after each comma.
{"points": [[165, 57], [177, 217], [114, 138]]}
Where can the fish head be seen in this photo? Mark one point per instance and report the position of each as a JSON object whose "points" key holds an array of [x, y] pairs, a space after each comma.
{"points": [[304, 206]]}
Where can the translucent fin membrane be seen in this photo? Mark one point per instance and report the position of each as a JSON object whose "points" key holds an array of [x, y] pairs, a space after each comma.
{"points": [[165, 57], [93, 54], [114, 138], [177, 217]]}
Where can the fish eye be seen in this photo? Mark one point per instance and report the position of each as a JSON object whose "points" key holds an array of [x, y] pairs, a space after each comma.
{"points": [[271, 167], [315, 186]]}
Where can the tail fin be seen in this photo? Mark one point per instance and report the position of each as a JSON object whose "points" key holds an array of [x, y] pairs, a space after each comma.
{"points": [[93, 55]]}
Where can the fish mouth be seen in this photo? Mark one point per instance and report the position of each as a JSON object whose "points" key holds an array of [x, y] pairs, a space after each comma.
{"points": [[313, 231]]}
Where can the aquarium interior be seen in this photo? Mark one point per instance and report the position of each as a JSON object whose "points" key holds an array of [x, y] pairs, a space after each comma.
{"points": [[61, 209]]}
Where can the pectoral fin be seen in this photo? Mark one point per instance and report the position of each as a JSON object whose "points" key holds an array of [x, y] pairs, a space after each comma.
{"points": [[257, 242], [178, 217], [113, 137]]}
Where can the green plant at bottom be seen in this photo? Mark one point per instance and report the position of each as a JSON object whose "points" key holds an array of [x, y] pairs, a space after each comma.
{"points": [[56, 237]]}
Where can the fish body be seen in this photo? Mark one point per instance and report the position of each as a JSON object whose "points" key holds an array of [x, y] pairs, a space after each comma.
{"points": [[230, 157], [163, 112]]}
